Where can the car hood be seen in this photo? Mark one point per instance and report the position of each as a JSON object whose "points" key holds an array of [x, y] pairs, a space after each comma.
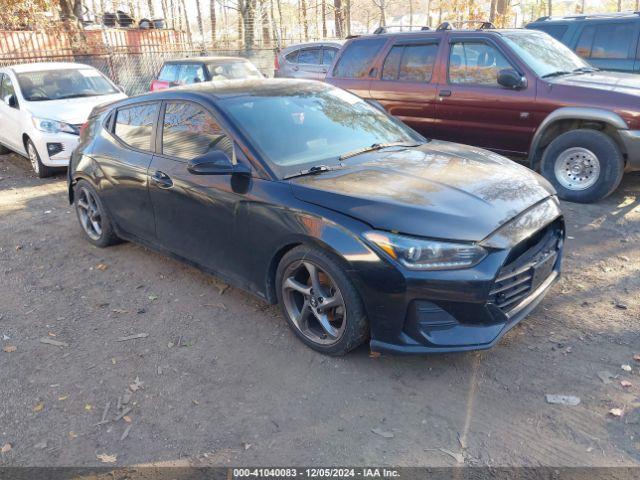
{"points": [[71, 110], [618, 82], [438, 190]]}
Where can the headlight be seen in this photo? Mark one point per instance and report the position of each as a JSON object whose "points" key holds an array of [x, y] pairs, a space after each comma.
{"points": [[53, 126], [422, 254]]}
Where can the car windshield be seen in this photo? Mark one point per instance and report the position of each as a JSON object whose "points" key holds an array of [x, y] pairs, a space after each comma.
{"points": [[231, 71], [301, 129], [47, 85], [543, 54]]}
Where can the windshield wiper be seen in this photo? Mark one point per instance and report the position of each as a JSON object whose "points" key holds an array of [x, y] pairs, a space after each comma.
{"points": [[78, 95], [375, 147], [556, 74], [586, 70], [315, 170]]}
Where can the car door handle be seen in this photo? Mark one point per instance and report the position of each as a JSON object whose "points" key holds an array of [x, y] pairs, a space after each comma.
{"points": [[444, 93], [295, 69], [162, 179]]}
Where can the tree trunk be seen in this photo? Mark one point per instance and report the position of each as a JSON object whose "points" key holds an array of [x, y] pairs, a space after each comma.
{"points": [[347, 17], [428, 13], [152, 10], [324, 18], [550, 8], [280, 18], [305, 19], [199, 20], [337, 16], [492, 11], [247, 10], [264, 23], [212, 15], [185, 15], [383, 12]]}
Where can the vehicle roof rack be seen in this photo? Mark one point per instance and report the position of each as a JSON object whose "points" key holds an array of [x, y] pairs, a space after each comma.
{"points": [[586, 16], [484, 25], [403, 28]]}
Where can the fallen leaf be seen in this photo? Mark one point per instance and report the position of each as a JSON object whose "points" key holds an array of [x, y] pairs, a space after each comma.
{"points": [[246, 445], [9, 348], [616, 412], [73, 434], [63, 397], [106, 458], [113, 361], [101, 266], [153, 296], [625, 383], [38, 407], [195, 402], [18, 247], [6, 448], [88, 407], [127, 419], [636, 357], [137, 384], [382, 432], [51, 334], [374, 354]]}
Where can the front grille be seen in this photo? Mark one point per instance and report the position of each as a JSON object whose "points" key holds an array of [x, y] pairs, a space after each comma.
{"points": [[530, 268]]}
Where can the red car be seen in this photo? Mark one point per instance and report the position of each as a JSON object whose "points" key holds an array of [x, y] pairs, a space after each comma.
{"points": [[516, 92]]}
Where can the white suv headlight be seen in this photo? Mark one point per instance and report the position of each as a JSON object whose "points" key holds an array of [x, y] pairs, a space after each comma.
{"points": [[423, 254], [53, 126]]}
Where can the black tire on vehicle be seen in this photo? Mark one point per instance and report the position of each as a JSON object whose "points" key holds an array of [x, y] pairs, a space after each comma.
{"points": [[93, 217], [583, 165], [40, 169], [4, 150], [335, 321]]}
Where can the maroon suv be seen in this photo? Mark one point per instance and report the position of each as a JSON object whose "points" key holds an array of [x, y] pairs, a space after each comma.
{"points": [[517, 92]]}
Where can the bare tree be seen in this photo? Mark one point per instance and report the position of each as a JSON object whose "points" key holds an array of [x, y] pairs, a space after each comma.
{"points": [[324, 18], [337, 17], [305, 19], [199, 20], [152, 10], [382, 7], [212, 15]]}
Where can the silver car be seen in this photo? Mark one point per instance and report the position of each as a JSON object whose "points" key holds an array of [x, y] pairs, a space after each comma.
{"points": [[306, 60]]}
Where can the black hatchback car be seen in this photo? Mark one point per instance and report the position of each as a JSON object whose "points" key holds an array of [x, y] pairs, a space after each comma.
{"points": [[308, 196]]}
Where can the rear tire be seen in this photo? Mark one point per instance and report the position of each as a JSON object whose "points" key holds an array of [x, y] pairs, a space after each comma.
{"points": [[583, 165], [93, 217], [324, 310], [40, 169]]}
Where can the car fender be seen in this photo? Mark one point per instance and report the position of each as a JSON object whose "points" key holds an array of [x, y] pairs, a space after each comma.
{"points": [[84, 168], [581, 114]]}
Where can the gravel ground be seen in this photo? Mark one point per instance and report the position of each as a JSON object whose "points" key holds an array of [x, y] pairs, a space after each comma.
{"points": [[219, 379]]}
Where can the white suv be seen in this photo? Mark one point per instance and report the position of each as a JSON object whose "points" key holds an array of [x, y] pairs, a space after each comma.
{"points": [[43, 106]]}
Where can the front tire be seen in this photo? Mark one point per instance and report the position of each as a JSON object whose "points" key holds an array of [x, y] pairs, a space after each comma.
{"points": [[93, 217], [319, 301], [39, 168], [584, 166]]}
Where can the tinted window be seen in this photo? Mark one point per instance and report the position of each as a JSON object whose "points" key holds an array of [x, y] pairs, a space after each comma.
{"points": [[189, 131], [134, 125], [556, 31], [585, 42], [292, 57], [309, 56], [612, 41], [329, 55], [169, 73], [410, 63], [356, 60], [475, 63]]}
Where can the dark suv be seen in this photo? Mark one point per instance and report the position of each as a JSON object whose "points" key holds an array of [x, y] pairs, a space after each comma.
{"points": [[517, 92], [607, 41]]}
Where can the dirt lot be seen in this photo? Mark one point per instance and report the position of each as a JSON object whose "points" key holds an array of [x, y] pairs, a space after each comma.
{"points": [[222, 380]]}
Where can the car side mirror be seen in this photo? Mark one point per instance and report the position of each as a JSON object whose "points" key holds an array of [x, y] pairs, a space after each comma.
{"points": [[511, 79], [12, 101], [216, 162]]}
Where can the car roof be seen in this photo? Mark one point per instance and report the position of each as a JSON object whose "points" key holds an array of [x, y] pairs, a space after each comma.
{"points": [[608, 17], [231, 88], [44, 66], [218, 59], [437, 33]]}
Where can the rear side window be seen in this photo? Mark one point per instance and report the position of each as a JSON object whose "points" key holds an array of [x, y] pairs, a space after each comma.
{"points": [[556, 31], [606, 41], [190, 131], [329, 55], [292, 57], [169, 72], [356, 60], [309, 56], [134, 125], [475, 63], [410, 63]]}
